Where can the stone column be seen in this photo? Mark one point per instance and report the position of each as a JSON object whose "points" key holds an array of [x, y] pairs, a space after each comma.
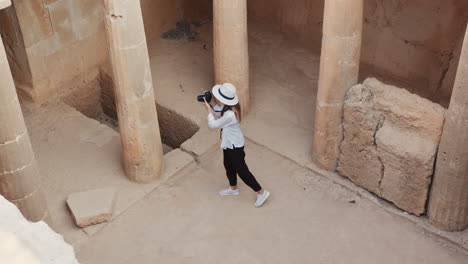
{"points": [[138, 122], [339, 69], [19, 177], [231, 52], [448, 203]]}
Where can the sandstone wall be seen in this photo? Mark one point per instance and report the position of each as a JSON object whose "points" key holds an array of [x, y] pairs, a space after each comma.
{"points": [[413, 43], [390, 142], [300, 19], [65, 44], [409, 43], [198, 10]]}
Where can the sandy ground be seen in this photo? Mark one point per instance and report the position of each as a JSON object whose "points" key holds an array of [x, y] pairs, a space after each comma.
{"points": [[307, 220]]}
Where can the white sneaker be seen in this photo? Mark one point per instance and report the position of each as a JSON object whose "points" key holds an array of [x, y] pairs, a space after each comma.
{"points": [[229, 191], [261, 198]]}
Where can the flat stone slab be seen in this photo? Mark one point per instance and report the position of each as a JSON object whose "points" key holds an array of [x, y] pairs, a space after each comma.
{"points": [[92, 207]]}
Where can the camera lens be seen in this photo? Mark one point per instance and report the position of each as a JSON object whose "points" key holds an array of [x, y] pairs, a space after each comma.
{"points": [[208, 96]]}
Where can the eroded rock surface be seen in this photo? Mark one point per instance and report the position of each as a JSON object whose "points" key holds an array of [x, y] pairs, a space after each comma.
{"points": [[390, 143], [23, 242], [92, 207]]}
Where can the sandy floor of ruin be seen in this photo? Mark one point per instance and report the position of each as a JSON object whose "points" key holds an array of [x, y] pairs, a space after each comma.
{"points": [[181, 219], [307, 220]]}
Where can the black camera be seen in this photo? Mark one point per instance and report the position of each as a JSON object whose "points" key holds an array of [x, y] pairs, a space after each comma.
{"points": [[207, 96]]}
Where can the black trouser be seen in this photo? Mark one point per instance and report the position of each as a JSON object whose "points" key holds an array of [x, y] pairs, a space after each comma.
{"points": [[234, 162]]}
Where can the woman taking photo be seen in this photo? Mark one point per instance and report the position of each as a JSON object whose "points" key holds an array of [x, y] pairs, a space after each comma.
{"points": [[226, 115]]}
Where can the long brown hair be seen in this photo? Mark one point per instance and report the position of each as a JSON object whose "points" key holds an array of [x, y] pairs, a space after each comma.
{"points": [[236, 109]]}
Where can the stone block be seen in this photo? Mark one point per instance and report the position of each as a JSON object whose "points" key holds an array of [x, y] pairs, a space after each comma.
{"points": [[390, 142], [408, 161], [92, 207], [23, 241], [4, 4]]}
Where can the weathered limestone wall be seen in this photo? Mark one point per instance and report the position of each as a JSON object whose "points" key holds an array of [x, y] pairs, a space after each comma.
{"points": [[390, 142], [300, 19], [198, 10], [65, 44], [408, 43], [414, 42]]}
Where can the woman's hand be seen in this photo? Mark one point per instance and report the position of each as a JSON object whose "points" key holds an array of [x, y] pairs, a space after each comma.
{"points": [[208, 106]]}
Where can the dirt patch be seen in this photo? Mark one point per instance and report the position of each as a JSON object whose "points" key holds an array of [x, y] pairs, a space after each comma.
{"points": [[182, 30]]}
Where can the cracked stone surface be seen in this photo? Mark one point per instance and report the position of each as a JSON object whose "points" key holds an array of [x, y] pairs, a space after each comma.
{"points": [[92, 207], [390, 142]]}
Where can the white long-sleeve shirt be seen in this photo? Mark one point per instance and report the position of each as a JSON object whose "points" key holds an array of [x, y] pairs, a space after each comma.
{"points": [[231, 135]]}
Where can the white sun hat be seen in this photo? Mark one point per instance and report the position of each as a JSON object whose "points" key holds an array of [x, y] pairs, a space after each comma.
{"points": [[226, 94]]}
